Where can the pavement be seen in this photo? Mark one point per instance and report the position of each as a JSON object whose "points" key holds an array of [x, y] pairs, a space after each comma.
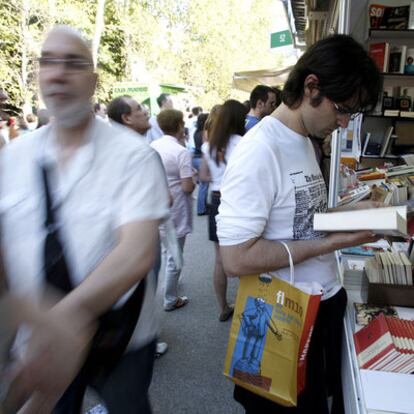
{"points": [[189, 377]]}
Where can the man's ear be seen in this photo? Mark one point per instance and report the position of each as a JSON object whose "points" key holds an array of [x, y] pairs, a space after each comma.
{"points": [[260, 104], [311, 86], [126, 120]]}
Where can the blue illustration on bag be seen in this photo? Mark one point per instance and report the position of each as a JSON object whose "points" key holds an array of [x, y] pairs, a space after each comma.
{"points": [[255, 322]]}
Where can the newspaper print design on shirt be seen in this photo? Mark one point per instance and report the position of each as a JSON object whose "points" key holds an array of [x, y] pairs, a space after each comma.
{"points": [[310, 198]]}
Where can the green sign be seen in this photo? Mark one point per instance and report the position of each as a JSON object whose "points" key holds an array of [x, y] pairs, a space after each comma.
{"points": [[280, 39], [137, 91]]}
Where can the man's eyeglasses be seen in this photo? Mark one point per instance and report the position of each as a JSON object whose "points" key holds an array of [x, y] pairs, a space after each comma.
{"points": [[346, 111], [75, 65]]}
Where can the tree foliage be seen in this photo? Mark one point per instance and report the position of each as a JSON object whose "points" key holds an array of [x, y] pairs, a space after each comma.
{"points": [[193, 43]]}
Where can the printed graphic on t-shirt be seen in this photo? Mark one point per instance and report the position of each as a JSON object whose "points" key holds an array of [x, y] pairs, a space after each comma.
{"points": [[310, 198]]}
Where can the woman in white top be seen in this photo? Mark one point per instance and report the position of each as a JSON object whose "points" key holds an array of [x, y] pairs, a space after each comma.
{"points": [[226, 131], [177, 161]]}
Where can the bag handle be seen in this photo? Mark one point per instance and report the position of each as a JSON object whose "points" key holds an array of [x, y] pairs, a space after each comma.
{"points": [[292, 270]]}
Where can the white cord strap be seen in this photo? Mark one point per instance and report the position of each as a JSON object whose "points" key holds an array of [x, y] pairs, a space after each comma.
{"points": [[292, 270]]}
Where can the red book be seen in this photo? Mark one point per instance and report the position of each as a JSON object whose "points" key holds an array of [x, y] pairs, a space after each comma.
{"points": [[398, 336], [379, 52], [374, 343], [406, 341]]}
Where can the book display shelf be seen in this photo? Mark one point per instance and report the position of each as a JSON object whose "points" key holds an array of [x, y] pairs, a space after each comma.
{"points": [[390, 134], [393, 52], [369, 391]]}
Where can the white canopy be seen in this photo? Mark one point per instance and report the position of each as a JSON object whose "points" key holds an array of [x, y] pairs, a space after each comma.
{"points": [[247, 80]]}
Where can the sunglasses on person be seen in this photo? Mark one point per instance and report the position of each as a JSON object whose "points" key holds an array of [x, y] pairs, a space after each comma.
{"points": [[71, 64]]}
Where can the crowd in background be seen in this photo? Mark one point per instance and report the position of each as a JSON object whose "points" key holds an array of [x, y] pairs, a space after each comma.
{"points": [[91, 200], [194, 147]]}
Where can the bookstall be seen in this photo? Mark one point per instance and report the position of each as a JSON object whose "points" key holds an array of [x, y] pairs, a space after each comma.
{"points": [[377, 162]]}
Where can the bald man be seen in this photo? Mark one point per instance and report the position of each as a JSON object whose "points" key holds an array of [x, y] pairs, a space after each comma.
{"points": [[82, 217]]}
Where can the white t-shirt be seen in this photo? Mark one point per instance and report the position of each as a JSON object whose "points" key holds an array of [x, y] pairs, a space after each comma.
{"points": [[272, 187], [113, 179], [217, 171]]}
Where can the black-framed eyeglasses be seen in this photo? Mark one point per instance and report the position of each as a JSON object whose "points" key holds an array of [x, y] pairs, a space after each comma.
{"points": [[71, 64], [341, 110]]}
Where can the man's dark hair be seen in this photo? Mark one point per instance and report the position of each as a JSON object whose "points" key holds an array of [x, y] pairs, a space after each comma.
{"points": [[260, 93], [118, 107], [162, 98], [278, 92], [344, 70], [196, 110]]}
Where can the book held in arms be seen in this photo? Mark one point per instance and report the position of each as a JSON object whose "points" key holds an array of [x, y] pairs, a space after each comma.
{"points": [[386, 344], [389, 221]]}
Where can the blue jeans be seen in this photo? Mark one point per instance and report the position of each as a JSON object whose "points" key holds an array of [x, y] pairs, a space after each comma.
{"points": [[202, 190]]}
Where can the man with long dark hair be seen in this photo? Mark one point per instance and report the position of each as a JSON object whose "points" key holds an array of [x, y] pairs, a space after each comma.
{"points": [[272, 188]]}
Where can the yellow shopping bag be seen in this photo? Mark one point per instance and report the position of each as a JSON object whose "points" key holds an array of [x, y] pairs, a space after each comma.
{"points": [[270, 334]]}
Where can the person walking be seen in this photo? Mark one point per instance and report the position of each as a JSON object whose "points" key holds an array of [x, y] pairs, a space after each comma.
{"points": [[178, 167], [225, 133], [89, 198]]}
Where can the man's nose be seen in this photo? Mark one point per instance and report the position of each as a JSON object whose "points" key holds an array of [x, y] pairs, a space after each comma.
{"points": [[57, 73], [343, 120]]}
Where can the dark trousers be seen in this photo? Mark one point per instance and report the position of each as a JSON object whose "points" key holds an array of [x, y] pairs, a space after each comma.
{"points": [[323, 372], [124, 390]]}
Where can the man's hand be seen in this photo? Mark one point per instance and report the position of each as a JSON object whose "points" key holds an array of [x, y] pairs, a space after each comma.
{"points": [[56, 350], [341, 240]]}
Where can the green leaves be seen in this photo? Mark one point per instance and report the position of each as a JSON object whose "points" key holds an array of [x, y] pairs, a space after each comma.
{"points": [[196, 43]]}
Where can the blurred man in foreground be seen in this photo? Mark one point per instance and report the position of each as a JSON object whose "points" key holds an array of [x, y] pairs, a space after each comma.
{"points": [[82, 215]]}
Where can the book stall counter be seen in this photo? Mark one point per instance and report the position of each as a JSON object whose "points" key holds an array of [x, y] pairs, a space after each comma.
{"points": [[369, 391]]}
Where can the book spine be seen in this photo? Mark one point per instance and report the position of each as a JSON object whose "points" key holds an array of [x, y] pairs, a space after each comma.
{"points": [[398, 364]]}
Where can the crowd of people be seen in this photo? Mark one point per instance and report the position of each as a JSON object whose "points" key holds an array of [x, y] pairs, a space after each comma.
{"points": [[95, 195]]}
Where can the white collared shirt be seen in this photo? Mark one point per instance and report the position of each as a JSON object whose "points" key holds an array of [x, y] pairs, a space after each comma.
{"points": [[177, 161], [112, 180]]}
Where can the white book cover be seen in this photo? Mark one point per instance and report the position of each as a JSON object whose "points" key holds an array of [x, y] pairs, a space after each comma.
{"points": [[389, 220]]}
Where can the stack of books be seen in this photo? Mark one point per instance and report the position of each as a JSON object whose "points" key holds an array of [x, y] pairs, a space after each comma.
{"points": [[392, 268], [353, 272], [353, 195], [386, 344]]}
